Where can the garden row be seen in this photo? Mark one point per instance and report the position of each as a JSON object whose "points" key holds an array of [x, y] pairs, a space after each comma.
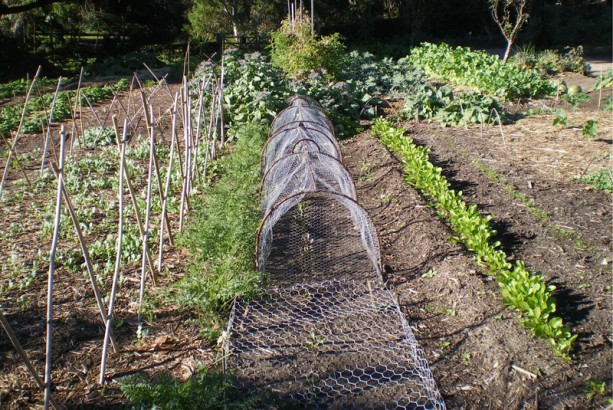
{"points": [[521, 289]]}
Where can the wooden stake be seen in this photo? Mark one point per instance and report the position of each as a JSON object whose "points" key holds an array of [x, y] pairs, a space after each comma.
{"points": [[14, 144], [167, 188], [126, 174], [48, 133], [147, 215], [109, 318], [88, 263], [54, 241]]}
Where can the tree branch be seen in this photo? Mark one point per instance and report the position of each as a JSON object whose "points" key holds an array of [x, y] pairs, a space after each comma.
{"points": [[20, 8]]}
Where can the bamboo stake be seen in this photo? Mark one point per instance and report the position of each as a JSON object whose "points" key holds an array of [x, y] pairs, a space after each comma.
{"points": [[18, 161], [56, 234], [186, 166], [167, 187], [109, 318], [106, 117], [198, 127], [126, 174], [48, 133], [147, 215], [73, 112], [220, 92], [14, 144], [88, 263], [17, 345], [156, 167]]}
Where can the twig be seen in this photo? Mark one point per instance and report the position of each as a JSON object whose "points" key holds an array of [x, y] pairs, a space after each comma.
{"points": [[524, 372], [56, 234]]}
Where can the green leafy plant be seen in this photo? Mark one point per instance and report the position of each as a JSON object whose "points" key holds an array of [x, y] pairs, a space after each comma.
{"points": [[590, 129], [601, 180], [203, 390], [575, 98], [295, 49], [560, 119], [478, 69], [221, 234], [551, 62], [593, 388], [439, 103], [521, 289]]}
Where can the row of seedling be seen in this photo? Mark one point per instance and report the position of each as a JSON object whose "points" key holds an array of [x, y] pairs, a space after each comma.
{"points": [[521, 289]]}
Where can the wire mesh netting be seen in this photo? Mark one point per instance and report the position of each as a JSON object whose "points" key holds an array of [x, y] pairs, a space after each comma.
{"points": [[328, 333], [336, 344]]}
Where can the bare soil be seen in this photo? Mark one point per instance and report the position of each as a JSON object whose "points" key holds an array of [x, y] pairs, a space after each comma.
{"points": [[479, 355]]}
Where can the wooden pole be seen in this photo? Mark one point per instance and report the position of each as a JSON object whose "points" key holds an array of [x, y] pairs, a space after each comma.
{"points": [[126, 174], [88, 263], [48, 133], [54, 241], [150, 126], [147, 215], [14, 144], [167, 187], [109, 318]]}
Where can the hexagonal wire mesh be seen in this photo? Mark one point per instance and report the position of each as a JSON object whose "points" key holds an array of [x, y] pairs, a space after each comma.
{"points": [[328, 334]]}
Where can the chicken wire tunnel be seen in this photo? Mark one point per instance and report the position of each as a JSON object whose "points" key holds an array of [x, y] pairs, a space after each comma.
{"points": [[327, 333]]}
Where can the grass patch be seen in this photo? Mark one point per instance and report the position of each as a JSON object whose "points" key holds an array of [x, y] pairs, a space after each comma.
{"points": [[220, 237]]}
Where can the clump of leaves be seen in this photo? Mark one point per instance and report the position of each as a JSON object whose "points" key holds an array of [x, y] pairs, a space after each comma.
{"points": [[593, 388], [561, 118], [576, 97], [479, 69], [296, 50], [449, 109], [590, 129], [601, 180], [604, 80], [551, 62]]}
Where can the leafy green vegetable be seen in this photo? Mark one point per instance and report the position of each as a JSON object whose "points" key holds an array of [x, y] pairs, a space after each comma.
{"points": [[521, 289]]}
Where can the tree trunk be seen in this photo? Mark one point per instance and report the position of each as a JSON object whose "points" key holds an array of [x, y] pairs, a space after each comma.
{"points": [[507, 51]]}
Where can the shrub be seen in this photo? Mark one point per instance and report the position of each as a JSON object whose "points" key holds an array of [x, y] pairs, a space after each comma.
{"points": [[295, 50]]}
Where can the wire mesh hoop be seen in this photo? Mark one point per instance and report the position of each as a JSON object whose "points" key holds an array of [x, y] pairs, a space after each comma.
{"points": [[301, 113], [311, 236], [304, 172], [298, 139], [332, 345]]}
